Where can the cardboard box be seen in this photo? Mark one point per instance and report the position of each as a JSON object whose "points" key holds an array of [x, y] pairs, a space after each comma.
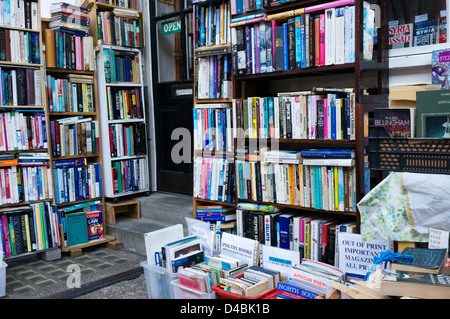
{"points": [[404, 96]]}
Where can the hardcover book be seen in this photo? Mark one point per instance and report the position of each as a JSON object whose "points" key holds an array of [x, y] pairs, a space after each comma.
{"points": [[399, 122], [423, 260], [433, 114]]}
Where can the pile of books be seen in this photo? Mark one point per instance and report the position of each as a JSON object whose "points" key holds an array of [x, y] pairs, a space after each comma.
{"points": [[182, 253], [69, 17], [253, 282], [309, 280]]}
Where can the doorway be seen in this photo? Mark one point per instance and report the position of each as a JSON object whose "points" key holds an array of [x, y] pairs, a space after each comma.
{"points": [[172, 61]]}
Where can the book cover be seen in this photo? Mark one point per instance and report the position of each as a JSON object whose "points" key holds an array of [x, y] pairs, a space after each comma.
{"points": [[77, 230], [400, 122], [433, 114], [440, 65], [442, 30], [95, 225], [401, 36], [426, 32], [423, 260]]}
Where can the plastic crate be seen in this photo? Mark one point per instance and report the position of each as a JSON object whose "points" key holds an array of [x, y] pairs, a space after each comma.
{"points": [[418, 155], [270, 294], [181, 292], [3, 266], [157, 280]]}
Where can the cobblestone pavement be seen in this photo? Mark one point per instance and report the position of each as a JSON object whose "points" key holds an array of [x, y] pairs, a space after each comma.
{"points": [[33, 277]]}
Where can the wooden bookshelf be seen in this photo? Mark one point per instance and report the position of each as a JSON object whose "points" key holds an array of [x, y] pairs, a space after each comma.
{"points": [[105, 90], [360, 75], [91, 158], [41, 107]]}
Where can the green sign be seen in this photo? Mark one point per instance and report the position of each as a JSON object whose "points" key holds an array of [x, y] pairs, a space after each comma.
{"points": [[172, 26]]}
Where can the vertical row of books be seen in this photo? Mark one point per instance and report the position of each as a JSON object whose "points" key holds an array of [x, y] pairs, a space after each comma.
{"points": [[120, 27], [119, 30], [213, 163], [27, 222], [71, 92]]}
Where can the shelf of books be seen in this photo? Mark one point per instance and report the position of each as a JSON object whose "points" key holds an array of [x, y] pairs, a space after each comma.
{"points": [[121, 98], [27, 222], [304, 80], [213, 141], [74, 127]]}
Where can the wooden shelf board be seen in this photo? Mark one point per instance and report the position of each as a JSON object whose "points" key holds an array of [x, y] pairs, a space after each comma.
{"points": [[105, 239]]}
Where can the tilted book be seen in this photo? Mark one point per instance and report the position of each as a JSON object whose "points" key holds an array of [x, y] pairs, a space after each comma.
{"points": [[400, 122]]}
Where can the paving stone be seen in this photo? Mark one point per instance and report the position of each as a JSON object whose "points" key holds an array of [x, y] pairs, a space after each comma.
{"points": [[104, 265], [24, 289], [35, 278], [45, 283]]}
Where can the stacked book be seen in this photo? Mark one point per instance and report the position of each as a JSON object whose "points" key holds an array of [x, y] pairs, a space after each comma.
{"points": [[70, 17]]}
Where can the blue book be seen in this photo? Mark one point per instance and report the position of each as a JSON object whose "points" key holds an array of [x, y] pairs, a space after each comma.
{"points": [[302, 42], [332, 105], [285, 48], [240, 6], [258, 4], [284, 221], [298, 48], [328, 153], [266, 116]]}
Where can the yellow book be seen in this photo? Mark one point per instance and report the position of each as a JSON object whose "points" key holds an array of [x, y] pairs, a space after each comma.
{"points": [[27, 231], [291, 184], [307, 239], [255, 115], [302, 186], [336, 189]]}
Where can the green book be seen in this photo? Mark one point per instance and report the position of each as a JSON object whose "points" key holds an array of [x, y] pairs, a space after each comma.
{"points": [[433, 114], [77, 230]]}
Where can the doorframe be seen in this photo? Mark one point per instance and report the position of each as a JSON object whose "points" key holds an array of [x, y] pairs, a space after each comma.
{"points": [[151, 77], [148, 77]]}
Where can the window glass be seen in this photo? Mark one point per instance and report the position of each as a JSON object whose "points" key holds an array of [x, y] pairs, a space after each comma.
{"points": [[169, 50], [417, 23]]}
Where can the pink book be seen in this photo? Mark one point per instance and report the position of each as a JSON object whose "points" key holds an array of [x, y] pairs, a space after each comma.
{"points": [[322, 39], [6, 246], [333, 4], [78, 54], [203, 181], [325, 119]]}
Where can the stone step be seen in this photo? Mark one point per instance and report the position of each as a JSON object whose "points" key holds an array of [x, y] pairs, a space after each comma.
{"points": [[159, 210]]}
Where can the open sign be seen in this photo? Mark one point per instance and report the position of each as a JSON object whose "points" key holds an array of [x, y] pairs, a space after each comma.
{"points": [[172, 26]]}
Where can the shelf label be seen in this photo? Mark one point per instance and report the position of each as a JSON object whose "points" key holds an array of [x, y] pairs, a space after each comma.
{"points": [[169, 27]]}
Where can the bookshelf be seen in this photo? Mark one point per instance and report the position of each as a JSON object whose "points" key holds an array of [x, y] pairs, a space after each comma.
{"points": [[72, 104], [368, 76], [25, 175], [213, 147], [121, 98]]}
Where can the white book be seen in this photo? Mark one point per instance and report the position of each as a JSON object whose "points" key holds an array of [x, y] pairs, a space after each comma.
{"points": [[340, 35], [14, 86], [276, 109], [34, 16], [330, 36]]}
